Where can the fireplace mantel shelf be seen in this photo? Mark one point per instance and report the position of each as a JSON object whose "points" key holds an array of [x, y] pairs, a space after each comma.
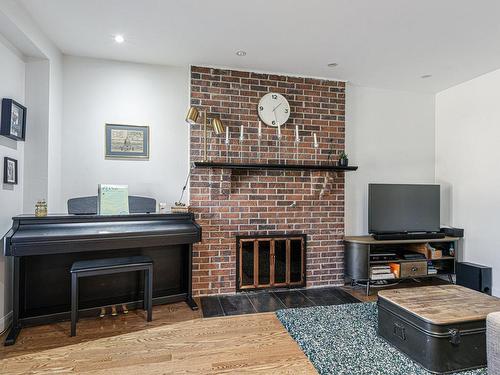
{"points": [[280, 166]]}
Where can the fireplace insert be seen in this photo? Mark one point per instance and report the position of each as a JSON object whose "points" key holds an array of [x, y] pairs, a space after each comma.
{"points": [[270, 261]]}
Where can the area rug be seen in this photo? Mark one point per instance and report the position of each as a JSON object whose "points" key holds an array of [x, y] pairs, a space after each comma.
{"points": [[342, 340]]}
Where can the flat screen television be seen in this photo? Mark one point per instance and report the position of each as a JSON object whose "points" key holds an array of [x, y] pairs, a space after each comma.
{"points": [[399, 208]]}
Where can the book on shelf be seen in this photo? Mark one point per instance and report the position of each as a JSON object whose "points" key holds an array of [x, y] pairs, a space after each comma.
{"points": [[384, 276], [382, 267], [379, 272]]}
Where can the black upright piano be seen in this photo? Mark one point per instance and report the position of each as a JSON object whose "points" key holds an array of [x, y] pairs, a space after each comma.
{"points": [[44, 248]]}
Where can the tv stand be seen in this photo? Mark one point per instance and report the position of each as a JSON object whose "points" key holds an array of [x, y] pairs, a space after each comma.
{"points": [[408, 236], [363, 252]]}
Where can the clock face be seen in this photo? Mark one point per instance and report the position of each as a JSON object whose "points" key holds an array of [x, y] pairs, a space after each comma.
{"points": [[274, 109]]}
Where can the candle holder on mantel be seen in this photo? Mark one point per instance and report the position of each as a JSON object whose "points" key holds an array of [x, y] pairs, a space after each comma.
{"points": [[228, 145], [297, 141], [278, 142], [259, 138], [316, 146], [242, 137]]}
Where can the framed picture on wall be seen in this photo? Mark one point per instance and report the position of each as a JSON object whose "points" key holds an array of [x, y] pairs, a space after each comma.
{"points": [[127, 141], [13, 121], [9, 171]]}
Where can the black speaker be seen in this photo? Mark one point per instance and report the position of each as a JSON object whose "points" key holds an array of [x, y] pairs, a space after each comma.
{"points": [[474, 276], [452, 232]]}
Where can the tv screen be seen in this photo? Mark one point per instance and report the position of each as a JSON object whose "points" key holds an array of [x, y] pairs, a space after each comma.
{"points": [[397, 208]]}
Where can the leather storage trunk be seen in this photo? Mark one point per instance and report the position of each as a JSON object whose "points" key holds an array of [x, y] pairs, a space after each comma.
{"points": [[438, 344]]}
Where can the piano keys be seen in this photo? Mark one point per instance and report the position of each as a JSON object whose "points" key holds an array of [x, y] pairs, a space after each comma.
{"points": [[44, 248]]}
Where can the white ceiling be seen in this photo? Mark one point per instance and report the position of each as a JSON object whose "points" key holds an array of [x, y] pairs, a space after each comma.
{"points": [[380, 43]]}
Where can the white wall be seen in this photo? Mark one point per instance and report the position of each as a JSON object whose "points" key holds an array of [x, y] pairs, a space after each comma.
{"points": [[98, 92], [12, 78], [37, 144], [390, 136], [468, 156]]}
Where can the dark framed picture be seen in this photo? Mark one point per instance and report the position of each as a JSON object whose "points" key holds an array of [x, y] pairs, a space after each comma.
{"points": [[9, 171], [13, 121], [127, 141]]}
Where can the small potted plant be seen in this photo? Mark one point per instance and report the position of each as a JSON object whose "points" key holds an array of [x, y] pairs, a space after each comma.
{"points": [[343, 159]]}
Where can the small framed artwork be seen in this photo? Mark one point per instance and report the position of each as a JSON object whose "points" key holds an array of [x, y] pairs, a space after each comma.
{"points": [[9, 171], [13, 121], [127, 141]]}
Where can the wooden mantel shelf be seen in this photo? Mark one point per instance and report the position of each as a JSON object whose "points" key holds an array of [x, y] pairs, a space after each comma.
{"points": [[281, 166]]}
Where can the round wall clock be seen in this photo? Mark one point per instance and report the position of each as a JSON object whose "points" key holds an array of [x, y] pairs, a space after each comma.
{"points": [[274, 109]]}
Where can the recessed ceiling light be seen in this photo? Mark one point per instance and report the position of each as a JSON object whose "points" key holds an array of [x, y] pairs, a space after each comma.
{"points": [[119, 39], [332, 65], [426, 76], [241, 53]]}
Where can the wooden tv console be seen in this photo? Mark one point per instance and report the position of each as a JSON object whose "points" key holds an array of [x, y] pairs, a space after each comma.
{"points": [[359, 252]]}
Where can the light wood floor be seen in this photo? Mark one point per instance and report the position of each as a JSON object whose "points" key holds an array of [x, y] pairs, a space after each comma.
{"points": [[360, 292], [178, 341]]}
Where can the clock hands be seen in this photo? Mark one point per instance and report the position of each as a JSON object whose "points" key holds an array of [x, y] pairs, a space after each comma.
{"points": [[275, 108]]}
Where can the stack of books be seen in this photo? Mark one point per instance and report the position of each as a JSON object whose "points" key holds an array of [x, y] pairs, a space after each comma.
{"points": [[381, 273], [431, 270]]}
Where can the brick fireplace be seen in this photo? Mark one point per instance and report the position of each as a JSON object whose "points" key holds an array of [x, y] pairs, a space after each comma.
{"points": [[228, 202]]}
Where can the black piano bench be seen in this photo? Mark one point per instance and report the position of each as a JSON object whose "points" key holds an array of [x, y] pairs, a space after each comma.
{"points": [[108, 266]]}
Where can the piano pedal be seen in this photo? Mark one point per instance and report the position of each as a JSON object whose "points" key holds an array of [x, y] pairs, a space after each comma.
{"points": [[124, 309], [102, 314], [113, 310]]}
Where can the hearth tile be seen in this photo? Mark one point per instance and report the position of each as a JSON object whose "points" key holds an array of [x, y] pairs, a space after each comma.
{"points": [[236, 305], [211, 307], [344, 296], [265, 302], [319, 292], [322, 297], [294, 298]]}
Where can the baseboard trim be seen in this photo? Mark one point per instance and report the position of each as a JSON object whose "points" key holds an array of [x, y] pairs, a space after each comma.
{"points": [[5, 321]]}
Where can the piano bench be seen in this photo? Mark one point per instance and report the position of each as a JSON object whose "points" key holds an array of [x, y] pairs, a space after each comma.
{"points": [[108, 266]]}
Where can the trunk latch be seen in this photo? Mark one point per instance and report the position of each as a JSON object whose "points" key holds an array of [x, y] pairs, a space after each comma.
{"points": [[454, 336]]}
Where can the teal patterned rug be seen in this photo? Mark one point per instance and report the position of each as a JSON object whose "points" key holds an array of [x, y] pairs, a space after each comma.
{"points": [[342, 340]]}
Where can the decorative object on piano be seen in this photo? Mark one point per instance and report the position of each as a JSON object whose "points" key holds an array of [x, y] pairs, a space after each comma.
{"points": [[127, 141], [179, 206], [343, 159], [162, 208], [10, 173], [274, 109], [13, 123], [41, 208], [112, 200], [216, 124]]}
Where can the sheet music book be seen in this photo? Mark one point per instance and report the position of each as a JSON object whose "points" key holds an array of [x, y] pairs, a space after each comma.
{"points": [[112, 200]]}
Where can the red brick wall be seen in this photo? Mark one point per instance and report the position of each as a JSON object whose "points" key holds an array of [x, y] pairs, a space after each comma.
{"points": [[227, 203]]}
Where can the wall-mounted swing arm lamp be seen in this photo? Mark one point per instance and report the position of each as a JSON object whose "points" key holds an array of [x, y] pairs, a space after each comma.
{"points": [[216, 124]]}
